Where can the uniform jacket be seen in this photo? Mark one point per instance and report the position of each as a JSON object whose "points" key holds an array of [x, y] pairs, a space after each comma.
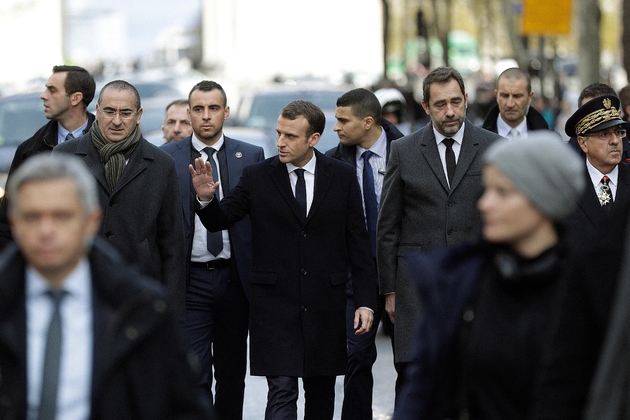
{"points": [[142, 217], [535, 120], [238, 154], [42, 141], [300, 265], [140, 367], [589, 219], [419, 211]]}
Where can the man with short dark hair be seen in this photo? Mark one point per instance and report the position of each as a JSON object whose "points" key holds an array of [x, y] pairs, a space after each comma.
{"points": [[69, 91], [430, 192], [82, 333], [176, 124], [137, 188], [513, 115], [364, 142], [217, 287], [307, 230]]}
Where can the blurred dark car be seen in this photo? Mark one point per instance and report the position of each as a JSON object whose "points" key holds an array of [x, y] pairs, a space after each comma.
{"points": [[261, 109], [20, 117]]}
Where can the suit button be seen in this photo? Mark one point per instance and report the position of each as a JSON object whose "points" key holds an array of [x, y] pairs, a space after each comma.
{"points": [[109, 234], [449, 231], [303, 308], [451, 204], [304, 233], [303, 271]]}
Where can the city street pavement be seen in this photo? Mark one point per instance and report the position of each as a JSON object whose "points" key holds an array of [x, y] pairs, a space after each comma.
{"points": [[383, 395]]}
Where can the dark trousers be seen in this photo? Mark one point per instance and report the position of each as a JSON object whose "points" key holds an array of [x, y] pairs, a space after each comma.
{"points": [[319, 398], [217, 313], [359, 382]]}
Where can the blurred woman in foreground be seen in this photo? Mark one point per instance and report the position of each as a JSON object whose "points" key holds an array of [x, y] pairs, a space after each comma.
{"points": [[487, 306]]}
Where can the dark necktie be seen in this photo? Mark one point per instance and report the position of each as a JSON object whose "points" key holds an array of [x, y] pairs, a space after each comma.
{"points": [[215, 239], [605, 196], [70, 136], [300, 190], [450, 159], [52, 359], [369, 198]]}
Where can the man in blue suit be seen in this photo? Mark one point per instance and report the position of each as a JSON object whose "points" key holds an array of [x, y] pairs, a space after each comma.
{"points": [[217, 307]]}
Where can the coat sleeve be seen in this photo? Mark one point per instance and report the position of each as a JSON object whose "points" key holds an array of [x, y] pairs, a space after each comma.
{"points": [[360, 254], [171, 242], [389, 223], [221, 215]]}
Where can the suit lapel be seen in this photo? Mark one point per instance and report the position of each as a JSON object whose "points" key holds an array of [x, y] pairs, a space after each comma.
{"points": [[431, 154], [323, 179], [622, 197], [280, 177], [467, 154], [182, 156], [137, 163], [589, 204]]}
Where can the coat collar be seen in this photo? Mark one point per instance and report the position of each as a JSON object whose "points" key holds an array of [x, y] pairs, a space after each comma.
{"points": [[323, 179], [467, 155]]}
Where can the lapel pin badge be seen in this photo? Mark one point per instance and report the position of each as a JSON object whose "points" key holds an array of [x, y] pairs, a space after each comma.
{"points": [[238, 155]]}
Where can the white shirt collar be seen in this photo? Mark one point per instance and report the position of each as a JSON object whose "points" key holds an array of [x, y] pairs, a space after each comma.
{"points": [[596, 176], [309, 167], [199, 145], [458, 137], [379, 148], [503, 128], [77, 284]]}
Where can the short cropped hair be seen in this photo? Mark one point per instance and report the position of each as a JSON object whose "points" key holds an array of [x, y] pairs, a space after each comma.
{"points": [[594, 90], [313, 114], [515, 73], [207, 86], [363, 104], [78, 79], [121, 85], [441, 75]]}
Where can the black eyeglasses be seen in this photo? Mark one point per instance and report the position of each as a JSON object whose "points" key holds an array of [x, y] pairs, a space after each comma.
{"points": [[606, 135]]}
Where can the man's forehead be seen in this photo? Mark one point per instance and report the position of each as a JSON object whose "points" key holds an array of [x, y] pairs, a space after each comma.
{"points": [[57, 79], [446, 90], [114, 98]]}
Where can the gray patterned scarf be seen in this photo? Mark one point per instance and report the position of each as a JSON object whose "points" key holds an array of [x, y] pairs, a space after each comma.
{"points": [[114, 154]]}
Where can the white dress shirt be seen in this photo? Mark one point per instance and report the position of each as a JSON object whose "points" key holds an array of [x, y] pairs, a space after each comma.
{"points": [[457, 146], [309, 179], [504, 129], [75, 371], [596, 179], [378, 161], [200, 251]]}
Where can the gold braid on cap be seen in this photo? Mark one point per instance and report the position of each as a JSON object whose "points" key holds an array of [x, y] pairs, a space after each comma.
{"points": [[594, 119]]}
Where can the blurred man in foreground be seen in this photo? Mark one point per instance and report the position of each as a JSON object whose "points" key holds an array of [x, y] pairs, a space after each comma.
{"points": [[82, 334]]}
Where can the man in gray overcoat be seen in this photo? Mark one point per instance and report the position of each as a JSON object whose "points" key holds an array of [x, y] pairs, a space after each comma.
{"points": [[430, 191]]}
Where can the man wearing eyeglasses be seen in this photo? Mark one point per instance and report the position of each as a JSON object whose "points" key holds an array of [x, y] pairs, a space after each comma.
{"points": [[138, 189], [600, 132]]}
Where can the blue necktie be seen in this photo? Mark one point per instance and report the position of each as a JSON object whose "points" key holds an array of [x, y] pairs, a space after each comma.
{"points": [[52, 360], [215, 239], [300, 190], [369, 197], [70, 136]]}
